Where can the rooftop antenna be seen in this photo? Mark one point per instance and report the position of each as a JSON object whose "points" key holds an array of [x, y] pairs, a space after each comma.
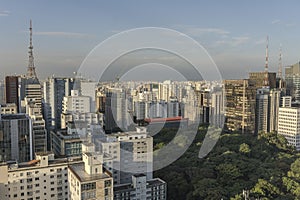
{"points": [[266, 76], [31, 69], [280, 63]]}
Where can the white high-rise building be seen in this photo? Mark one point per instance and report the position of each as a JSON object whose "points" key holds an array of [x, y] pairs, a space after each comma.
{"points": [[33, 92], [55, 89], [88, 88], [131, 153], [217, 109], [289, 125], [267, 106], [76, 103]]}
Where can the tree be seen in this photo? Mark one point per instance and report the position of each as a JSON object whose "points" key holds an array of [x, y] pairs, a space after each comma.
{"points": [[264, 188], [245, 149]]}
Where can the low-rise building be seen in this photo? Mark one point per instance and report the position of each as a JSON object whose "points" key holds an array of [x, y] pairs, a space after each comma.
{"points": [[65, 143]]}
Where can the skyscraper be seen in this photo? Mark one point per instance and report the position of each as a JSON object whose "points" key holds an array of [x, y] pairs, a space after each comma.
{"points": [[274, 104], [116, 110], [217, 109], [55, 89], [32, 101], [292, 77], [88, 88], [173, 107], [262, 110], [240, 105], [2, 93], [12, 90], [288, 125], [16, 138]]}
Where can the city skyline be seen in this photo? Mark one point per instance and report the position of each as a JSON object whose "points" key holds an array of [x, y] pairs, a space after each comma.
{"points": [[65, 33]]}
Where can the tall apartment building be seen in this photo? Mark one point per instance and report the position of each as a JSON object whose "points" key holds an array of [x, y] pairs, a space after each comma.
{"points": [[39, 133], [262, 110], [140, 110], [12, 90], [116, 110], [131, 153], [2, 93], [100, 100], [42, 178], [173, 107], [76, 103], [16, 141], [240, 105], [292, 77], [289, 125], [156, 109], [217, 109], [88, 88], [33, 92], [89, 180], [141, 188], [55, 89]]}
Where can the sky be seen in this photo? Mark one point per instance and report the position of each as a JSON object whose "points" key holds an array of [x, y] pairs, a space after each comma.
{"points": [[232, 32]]}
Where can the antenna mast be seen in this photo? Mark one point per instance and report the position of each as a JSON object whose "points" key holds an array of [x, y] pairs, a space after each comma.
{"points": [[31, 69], [266, 76]]}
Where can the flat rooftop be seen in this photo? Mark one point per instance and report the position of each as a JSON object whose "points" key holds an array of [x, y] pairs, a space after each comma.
{"points": [[14, 116], [78, 170], [155, 181]]}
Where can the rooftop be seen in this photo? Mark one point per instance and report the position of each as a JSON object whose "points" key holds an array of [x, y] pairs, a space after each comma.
{"points": [[14, 116], [155, 181], [78, 170]]}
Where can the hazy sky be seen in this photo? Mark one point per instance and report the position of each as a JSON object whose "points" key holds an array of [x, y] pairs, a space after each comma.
{"points": [[233, 32]]}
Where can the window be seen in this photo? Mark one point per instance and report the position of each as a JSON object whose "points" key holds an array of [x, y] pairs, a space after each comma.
{"points": [[107, 183]]}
